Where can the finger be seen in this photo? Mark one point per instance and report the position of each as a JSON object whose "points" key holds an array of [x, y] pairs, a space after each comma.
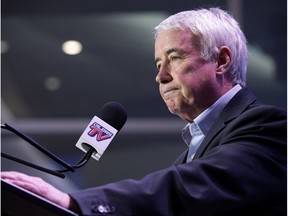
{"points": [[13, 175], [33, 184], [22, 180]]}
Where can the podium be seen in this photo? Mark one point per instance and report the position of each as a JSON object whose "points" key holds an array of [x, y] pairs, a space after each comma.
{"points": [[18, 201]]}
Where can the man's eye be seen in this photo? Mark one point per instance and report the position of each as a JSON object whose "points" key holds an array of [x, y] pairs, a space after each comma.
{"points": [[173, 58], [158, 66]]}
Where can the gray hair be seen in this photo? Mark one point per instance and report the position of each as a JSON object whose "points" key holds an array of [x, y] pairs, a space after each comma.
{"points": [[213, 28]]}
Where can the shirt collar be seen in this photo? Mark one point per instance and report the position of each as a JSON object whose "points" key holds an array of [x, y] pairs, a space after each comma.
{"points": [[206, 119]]}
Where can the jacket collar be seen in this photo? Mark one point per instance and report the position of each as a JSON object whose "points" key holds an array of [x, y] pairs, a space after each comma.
{"points": [[233, 109]]}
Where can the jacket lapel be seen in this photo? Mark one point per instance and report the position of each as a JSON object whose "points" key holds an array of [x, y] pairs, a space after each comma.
{"points": [[233, 109]]}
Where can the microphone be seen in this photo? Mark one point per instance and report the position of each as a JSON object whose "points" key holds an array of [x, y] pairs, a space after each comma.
{"points": [[94, 140], [101, 130]]}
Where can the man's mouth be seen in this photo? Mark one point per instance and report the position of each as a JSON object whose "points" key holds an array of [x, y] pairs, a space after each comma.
{"points": [[167, 92]]}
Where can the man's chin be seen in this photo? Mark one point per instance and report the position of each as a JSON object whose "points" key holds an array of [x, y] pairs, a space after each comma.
{"points": [[174, 110]]}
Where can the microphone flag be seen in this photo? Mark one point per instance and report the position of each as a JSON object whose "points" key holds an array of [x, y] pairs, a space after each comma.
{"points": [[97, 135]]}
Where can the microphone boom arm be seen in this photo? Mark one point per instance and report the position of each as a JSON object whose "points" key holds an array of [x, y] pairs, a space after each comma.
{"points": [[58, 173], [36, 145], [61, 175]]}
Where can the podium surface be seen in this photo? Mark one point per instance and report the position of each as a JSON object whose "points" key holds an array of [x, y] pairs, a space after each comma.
{"points": [[18, 201]]}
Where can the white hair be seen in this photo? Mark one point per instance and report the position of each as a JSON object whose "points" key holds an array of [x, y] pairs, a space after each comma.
{"points": [[213, 28]]}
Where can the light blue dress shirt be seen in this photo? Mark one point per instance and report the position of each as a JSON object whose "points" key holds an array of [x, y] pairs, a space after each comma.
{"points": [[194, 133]]}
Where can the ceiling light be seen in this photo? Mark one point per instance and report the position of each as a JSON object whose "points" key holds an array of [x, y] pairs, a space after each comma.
{"points": [[4, 46], [52, 83], [72, 47]]}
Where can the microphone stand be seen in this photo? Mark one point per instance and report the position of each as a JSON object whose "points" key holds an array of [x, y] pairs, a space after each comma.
{"points": [[58, 173]]}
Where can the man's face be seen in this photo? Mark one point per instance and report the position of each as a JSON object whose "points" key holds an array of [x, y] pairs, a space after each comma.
{"points": [[187, 83]]}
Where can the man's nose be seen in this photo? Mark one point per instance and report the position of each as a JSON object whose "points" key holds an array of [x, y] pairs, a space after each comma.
{"points": [[163, 75]]}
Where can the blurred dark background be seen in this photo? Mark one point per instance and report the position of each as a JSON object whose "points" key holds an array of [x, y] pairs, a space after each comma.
{"points": [[51, 96]]}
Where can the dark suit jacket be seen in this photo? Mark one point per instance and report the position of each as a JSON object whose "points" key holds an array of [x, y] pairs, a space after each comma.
{"points": [[239, 169]]}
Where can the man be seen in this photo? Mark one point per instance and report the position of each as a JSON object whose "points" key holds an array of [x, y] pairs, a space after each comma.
{"points": [[236, 163]]}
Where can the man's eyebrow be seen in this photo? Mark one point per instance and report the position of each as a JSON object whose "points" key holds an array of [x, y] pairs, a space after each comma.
{"points": [[171, 50]]}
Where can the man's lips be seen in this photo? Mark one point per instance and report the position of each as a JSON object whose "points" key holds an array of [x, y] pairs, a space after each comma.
{"points": [[168, 91]]}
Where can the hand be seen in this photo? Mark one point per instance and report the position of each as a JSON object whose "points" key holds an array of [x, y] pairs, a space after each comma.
{"points": [[38, 186]]}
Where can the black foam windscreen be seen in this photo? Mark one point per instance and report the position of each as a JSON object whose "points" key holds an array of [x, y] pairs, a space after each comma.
{"points": [[114, 114]]}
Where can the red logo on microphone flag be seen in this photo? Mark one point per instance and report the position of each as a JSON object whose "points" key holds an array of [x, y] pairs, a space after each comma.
{"points": [[99, 132]]}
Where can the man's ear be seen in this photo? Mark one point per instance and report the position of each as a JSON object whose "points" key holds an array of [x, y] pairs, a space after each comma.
{"points": [[223, 59]]}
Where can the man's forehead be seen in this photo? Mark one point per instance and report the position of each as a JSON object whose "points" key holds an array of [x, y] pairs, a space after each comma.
{"points": [[172, 41]]}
